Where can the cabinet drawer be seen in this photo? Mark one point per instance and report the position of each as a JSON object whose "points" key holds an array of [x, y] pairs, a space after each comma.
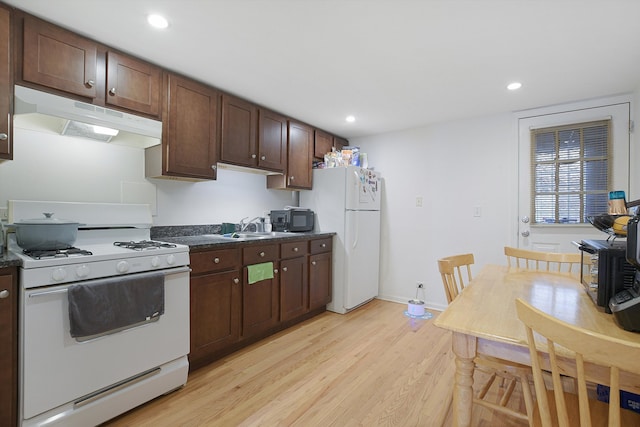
{"points": [[321, 245], [293, 249], [223, 259], [257, 254]]}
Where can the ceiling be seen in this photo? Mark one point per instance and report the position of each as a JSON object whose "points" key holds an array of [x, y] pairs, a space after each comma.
{"points": [[393, 64]]}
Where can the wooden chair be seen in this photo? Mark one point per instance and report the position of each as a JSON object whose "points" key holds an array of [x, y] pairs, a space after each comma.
{"points": [[456, 274], [451, 269], [568, 263], [566, 409]]}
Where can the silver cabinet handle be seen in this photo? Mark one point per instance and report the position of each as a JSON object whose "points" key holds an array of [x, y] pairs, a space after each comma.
{"points": [[292, 177], [236, 280], [112, 91], [214, 167], [90, 83], [275, 270], [284, 268], [4, 293], [313, 263], [324, 245], [3, 136], [263, 158], [295, 249], [261, 254], [216, 260], [253, 156]]}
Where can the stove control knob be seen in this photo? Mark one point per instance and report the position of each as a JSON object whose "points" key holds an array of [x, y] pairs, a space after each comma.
{"points": [[82, 271], [122, 267], [171, 259], [59, 274], [155, 261]]}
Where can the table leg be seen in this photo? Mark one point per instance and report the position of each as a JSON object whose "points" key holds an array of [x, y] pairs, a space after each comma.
{"points": [[464, 347]]}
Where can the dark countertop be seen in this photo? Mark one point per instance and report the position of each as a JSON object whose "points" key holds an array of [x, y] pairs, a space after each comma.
{"points": [[9, 260], [211, 241]]}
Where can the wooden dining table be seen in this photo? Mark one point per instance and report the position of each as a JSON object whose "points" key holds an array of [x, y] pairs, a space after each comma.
{"points": [[483, 320]]}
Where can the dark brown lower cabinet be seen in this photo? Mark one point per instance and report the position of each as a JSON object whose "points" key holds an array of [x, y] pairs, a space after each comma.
{"points": [[8, 347], [294, 288], [228, 312]]}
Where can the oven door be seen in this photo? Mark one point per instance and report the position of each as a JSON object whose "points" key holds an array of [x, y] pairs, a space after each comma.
{"points": [[57, 369]]}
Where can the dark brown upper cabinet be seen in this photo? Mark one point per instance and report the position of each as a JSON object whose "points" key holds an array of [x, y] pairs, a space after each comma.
{"points": [[190, 132], [272, 141], [298, 175], [239, 129], [59, 59], [251, 136], [339, 143], [133, 84], [6, 86], [322, 144]]}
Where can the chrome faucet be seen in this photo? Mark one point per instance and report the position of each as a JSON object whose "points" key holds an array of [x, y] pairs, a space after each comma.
{"points": [[259, 221]]}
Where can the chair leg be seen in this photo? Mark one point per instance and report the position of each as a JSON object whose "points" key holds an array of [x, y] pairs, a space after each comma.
{"points": [[483, 391], [528, 397], [507, 394]]}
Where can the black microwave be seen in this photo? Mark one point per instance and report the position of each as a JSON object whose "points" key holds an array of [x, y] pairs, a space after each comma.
{"points": [[295, 220], [605, 271]]}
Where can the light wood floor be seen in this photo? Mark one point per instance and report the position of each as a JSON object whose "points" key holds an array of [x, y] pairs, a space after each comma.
{"points": [[371, 367]]}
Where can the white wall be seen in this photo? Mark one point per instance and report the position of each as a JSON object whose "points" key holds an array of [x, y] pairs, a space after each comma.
{"points": [[50, 167], [454, 167]]}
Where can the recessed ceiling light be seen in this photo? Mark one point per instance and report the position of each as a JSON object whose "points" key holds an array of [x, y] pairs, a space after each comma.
{"points": [[350, 119], [514, 86], [157, 21]]}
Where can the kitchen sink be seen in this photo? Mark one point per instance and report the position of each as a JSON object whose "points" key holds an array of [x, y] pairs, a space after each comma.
{"points": [[250, 235]]}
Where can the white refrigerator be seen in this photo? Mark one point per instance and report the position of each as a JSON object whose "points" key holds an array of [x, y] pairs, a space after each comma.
{"points": [[347, 201]]}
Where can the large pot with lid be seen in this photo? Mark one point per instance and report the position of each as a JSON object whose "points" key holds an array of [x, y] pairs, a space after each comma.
{"points": [[47, 233]]}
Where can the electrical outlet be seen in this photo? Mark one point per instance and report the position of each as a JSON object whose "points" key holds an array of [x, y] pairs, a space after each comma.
{"points": [[419, 202], [477, 211], [4, 214]]}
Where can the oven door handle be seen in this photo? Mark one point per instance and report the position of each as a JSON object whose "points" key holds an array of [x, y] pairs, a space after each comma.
{"points": [[167, 272]]}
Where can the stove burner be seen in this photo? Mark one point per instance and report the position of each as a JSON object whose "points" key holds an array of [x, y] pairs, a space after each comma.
{"points": [[55, 253], [144, 245]]}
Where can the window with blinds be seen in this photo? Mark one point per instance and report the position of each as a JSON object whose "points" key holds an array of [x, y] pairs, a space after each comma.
{"points": [[570, 170]]}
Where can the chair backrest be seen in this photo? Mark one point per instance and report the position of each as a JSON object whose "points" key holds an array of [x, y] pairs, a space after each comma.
{"points": [[456, 273], [588, 346], [544, 261]]}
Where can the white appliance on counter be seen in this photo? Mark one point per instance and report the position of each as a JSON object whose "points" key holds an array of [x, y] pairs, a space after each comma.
{"points": [[81, 379], [346, 201]]}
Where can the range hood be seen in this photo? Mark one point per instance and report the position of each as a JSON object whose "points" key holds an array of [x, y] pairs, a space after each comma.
{"points": [[36, 110]]}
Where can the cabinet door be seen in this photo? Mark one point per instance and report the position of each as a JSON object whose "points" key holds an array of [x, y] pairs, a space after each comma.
{"points": [[299, 156], [59, 59], [294, 288], [322, 144], [133, 84], [215, 312], [320, 272], [259, 305], [339, 143], [239, 128], [6, 87], [8, 349], [272, 141], [190, 129]]}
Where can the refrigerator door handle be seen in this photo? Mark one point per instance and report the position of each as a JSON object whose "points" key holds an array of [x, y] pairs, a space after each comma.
{"points": [[356, 234]]}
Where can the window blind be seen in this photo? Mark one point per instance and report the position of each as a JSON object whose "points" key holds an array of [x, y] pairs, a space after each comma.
{"points": [[570, 172]]}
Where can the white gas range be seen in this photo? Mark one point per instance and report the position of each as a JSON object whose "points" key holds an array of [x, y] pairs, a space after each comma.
{"points": [[84, 361]]}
